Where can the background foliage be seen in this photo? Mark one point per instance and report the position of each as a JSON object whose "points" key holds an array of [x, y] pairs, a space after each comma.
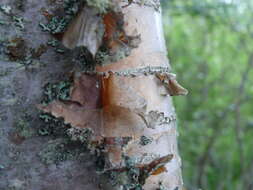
{"points": [[210, 48]]}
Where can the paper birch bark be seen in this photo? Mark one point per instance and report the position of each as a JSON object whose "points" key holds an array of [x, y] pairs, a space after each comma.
{"points": [[128, 106], [150, 53]]}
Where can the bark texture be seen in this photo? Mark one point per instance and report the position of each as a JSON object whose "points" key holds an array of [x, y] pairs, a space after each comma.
{"points": [[128, 105], [150, 53]]}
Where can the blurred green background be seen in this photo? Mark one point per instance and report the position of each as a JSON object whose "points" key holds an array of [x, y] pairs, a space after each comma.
{"points": [[210, 46]]}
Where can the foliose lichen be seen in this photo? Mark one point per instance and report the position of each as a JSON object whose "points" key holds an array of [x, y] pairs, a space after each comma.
{"points": [[5, 9], [162, 187], [145, 140], [101, 5], [56, 91], [55, 26], [52, 126], [59, 150], [81, 135], [132, 178], [23, 128]]}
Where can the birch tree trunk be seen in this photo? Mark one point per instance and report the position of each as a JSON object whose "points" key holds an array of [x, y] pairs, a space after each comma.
{"points": [[150, 53], [127, 104]]}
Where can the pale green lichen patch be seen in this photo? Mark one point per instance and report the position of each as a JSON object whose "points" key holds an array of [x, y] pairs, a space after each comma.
{"points": [[81, 135], [134, 172], [23, 128], [101, 5], [145, 140], [5, 9], [1, 167], [56, 91], [161, 187], [58, 24], [20, 4], [55, 26], [53, 43], [104, 57], [7, 93], [131, 178], [19, 22], [60, 150], [149, 3], [52, 126]]}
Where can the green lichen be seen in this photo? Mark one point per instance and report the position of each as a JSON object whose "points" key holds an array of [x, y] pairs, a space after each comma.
{"points": [[101, 5], [9, 101], [161, 187], [143, 71], [145, 140], [60, 50], [53, 43], [56, 45], [56, 91], [1, 167], [81, 135], [133, 178], [149, 3], [23, 128], [71, 6], [52, 126], [19, 22], [104, 57], [133, 173], [5, 9], [132, 187], [56, 25], [2, 22], [84, 59], [59, 150], [20, 4]]}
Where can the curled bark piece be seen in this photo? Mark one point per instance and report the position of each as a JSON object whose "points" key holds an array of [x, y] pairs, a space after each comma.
{"points": [[155, 118], [115, 36], [119, 114], [86, 30], [86, 90], [116, 44], [134, 175], [116, 113], [93, 30], [174, 88], [151, 168]]}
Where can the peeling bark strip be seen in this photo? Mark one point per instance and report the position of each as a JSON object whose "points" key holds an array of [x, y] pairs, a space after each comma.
{"points": [[124, 105], [104, 31]]}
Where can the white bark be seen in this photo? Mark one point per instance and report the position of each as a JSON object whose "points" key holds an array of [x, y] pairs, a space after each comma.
{"points": [[151, 52]]}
